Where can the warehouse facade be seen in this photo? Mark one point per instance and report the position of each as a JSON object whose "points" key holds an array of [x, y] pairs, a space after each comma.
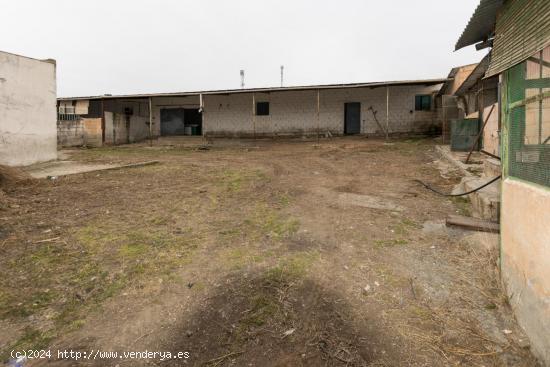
{"points": [[377, 109]]}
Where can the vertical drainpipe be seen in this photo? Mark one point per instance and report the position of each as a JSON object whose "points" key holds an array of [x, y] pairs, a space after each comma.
{"points": [[254, 114], [151, 121], [387, 111]]}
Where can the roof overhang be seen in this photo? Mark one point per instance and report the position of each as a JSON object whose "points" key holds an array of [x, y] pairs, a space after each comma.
{"points": [[426, 82], [481, 25], [476, 75]]}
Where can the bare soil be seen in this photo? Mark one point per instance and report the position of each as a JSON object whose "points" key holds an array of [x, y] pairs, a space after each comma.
{"points": [[268, 253]]}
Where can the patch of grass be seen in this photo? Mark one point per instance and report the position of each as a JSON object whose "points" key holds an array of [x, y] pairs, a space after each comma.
{"points": [[284, 199], [390, 243], [422, 313], [265, 302], [233, 180], [463, 205], [403, 227], [104, 259], [292, 267], [238, 257], [132, 250], [32, 339], [159, 221], [262, 308], [273, 224], [229, 233]]}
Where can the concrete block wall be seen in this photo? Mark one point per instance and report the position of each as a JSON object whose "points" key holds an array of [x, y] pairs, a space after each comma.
{"points": [[294, 112], [28, 131], [79, 132], [70, 133]]}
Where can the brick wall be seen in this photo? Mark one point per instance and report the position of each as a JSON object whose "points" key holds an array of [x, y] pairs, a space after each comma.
{"points": [[294, 112]]}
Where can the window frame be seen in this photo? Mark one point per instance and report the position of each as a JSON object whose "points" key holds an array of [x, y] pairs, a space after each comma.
{"points": [[419, 102], [262, 108]]}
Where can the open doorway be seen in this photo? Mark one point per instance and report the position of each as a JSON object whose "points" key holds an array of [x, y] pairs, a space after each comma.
{"points": [[180, 121], [172, 121], [193, 121]]}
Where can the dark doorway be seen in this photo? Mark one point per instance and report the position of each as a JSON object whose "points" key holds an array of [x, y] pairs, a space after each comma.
{"points": [[352, 118], [193, 121], [172, 121]]}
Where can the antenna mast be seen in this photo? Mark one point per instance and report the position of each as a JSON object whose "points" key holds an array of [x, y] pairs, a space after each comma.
{"points": [[282, 74], [242, 78]]}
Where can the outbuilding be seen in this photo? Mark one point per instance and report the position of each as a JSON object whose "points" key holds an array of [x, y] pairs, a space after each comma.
{"points": [[377, 109]]}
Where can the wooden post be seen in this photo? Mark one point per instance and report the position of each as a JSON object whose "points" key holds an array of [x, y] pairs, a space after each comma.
{"points": [[151, 121]]}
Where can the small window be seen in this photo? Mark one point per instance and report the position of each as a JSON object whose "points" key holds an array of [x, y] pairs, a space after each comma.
{"points": [[423, 102], [262, 108]]}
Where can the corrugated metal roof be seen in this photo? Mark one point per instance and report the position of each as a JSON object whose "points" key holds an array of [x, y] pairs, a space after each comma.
{"points": [[522, 29], [477, 74], [481, 24], [267, 90]]}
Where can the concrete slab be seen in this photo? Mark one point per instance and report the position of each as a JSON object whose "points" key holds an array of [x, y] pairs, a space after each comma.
{"points": [[485, 202], [63, 168], [457, 159]]}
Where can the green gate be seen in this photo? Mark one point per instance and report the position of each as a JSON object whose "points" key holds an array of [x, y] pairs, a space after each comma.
{"points": [[464, 134]]}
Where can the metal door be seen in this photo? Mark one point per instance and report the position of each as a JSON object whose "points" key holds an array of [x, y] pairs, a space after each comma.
{"points": [[352, 118], [464, 133]]}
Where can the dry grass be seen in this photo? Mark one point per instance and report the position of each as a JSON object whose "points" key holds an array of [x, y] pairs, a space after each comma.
{"points": [[222, 252]]}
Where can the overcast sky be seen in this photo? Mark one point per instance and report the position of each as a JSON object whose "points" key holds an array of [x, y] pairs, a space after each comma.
{"points": [[135, 46]]}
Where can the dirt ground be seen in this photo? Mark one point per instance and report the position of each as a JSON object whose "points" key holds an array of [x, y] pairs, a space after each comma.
{"points": [[287, 253]]}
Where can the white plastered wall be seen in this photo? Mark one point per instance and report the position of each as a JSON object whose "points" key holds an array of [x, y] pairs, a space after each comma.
{"points": [[294, 112], [28, 131]]}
